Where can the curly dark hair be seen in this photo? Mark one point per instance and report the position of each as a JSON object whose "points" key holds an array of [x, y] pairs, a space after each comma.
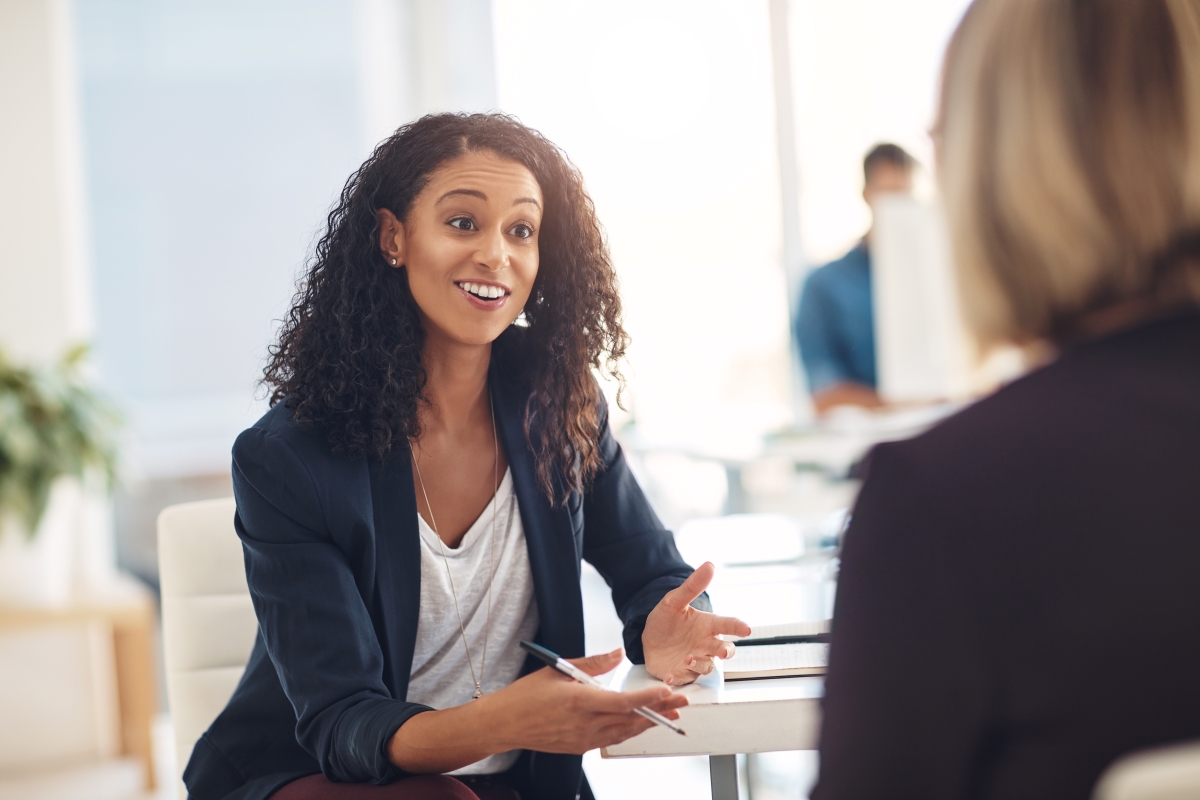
{"points": [[348, 359]]}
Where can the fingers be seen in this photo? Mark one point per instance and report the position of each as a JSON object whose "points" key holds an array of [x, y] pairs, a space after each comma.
{"points": [[680, 598], [654, 697], [620, 705], [602, 702], [714, 648], [680, 677], [618, 722], [731, 626], [723, 649], [699, 664], [669, 713], [600, 664], [670, 705], [626, 730]]}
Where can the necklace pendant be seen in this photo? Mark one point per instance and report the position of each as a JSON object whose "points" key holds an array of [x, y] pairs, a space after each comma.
{"points": [[478, 692]]}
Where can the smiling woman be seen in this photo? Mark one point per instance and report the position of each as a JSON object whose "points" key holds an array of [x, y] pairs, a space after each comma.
{"points": [[418, 499], [463, 242], [359, 377]]}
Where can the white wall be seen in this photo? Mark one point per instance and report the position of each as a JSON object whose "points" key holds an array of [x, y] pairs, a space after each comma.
{"points": [[44, 286], [219, 133], [667, 108], [864, 71], [422, 56]]}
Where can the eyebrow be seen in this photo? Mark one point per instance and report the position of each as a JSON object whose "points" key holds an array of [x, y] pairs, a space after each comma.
{"points": [[482, 196]]}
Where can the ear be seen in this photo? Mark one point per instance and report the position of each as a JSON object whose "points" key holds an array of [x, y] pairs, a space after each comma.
{"points": [[391, 237]]}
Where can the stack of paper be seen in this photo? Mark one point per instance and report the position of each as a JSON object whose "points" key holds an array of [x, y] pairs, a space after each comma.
{"points": [[777, 661], [782, 659]]}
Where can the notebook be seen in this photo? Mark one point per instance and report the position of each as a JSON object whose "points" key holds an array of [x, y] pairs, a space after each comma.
{"points": [[784, 659], [777, 661], [811, 628]]}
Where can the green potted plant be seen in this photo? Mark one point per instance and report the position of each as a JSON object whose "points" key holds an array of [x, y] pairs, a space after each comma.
{"points": [[57, 436]]}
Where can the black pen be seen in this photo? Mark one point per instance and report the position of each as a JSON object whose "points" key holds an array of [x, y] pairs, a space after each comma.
{"points": [[800, 638], [571, 671]]}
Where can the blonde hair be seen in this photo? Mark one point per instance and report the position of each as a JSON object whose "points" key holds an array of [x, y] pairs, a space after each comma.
{"points": [[1069, 161]]}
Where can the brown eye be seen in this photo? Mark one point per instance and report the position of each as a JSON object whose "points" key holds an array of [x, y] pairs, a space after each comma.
{"points": [[521, 231], [462, 223]]}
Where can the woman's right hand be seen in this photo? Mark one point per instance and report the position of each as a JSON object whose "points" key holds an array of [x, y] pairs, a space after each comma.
{"points": [[548, 712], [544, 711]]}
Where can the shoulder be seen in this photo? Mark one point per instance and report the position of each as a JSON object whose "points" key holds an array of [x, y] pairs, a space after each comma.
{"points": [[991, 454], [988, 430], [1078, 395], [855, 259], [279, 458], [838, 271], [277, 433]]}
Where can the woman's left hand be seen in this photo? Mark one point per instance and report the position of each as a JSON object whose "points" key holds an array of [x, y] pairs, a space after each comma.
{"points": [[681, 642]]}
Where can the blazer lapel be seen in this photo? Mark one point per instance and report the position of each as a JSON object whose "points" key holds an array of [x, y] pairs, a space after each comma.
{"points": [[397, 566], [553, 559]]}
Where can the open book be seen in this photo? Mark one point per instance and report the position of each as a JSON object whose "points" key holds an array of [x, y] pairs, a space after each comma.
{"points": [[787, 659]]}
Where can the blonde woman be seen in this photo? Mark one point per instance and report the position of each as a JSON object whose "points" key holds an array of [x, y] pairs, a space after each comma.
{"points": [[1019, 602]]}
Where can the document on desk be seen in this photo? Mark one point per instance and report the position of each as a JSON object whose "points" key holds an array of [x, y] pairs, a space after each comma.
{"points": [[763, 634], [777, 661]]}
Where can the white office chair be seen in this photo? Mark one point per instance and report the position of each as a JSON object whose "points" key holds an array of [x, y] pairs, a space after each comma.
{"points": [[208, 621], [1164, 773]]}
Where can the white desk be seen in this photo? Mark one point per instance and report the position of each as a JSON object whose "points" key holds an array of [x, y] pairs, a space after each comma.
{"points": [[725, 719]]}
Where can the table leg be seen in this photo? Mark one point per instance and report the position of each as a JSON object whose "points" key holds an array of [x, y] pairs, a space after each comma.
{"points": [[137, 692], [723, 776]]}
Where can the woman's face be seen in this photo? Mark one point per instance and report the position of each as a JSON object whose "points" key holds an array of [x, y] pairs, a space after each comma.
{"points": [[470, 244]]}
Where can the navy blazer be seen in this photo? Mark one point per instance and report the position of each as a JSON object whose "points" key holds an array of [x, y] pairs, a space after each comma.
{"points": [[333, 563]]}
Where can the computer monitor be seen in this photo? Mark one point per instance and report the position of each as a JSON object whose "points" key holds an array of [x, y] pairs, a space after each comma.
{"points": [[922, 349]]}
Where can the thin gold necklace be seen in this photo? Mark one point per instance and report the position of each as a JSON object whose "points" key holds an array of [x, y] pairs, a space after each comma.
{"points": [[487, 631]]}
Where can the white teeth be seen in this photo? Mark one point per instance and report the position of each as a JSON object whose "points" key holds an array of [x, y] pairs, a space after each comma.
{"points": [[482, 291]]}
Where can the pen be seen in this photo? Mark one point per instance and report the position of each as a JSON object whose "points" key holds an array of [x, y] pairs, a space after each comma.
{"points": [[803, 638], [571, 671]]}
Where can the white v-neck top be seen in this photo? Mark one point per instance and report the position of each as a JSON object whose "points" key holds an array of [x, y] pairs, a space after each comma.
{"points": [[441, 676]]}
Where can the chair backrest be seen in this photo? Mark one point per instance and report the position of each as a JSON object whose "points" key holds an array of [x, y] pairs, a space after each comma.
{"points": [[1164, 773], [208, 620]]}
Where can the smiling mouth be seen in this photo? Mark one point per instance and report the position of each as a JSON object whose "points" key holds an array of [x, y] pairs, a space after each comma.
{"points": [[483, 291]]}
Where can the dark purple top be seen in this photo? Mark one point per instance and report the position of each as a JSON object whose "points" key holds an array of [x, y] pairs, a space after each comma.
{"points": [[1019, 601]]}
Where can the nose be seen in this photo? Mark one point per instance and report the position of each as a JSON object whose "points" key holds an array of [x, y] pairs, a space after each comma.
{"points": [[493, 251]]}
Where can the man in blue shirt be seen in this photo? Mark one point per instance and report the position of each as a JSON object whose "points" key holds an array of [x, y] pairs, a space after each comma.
{"points": [[835, 323]]}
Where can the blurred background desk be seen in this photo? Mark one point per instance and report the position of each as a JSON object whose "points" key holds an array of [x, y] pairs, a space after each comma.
{"points": [[800, 470], [97, 707], [724, 719]]}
